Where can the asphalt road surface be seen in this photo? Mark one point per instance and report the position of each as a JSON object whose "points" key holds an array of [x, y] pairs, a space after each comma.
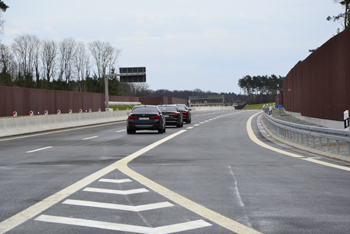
{"points": [[218, 174]]}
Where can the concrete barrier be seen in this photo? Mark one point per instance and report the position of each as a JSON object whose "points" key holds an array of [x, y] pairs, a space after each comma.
{"points": [[33, 124], [42, 123]]}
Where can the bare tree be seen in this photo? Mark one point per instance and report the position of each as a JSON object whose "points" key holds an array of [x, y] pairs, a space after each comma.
{"points": [[6, 58], [48, 58], [105, 56], [82, 65], [67, 50], [3, 7], [26, 48], [6, 66], [342, 16], [141, 90]]}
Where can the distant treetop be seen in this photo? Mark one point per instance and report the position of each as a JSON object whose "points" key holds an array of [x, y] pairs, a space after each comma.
{"points": [[3, 6]]}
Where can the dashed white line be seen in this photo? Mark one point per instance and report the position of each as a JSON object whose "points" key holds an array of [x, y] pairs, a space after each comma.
{"points": [[196, 125], [121, 130], [124, 227], [189, 128], [112, 191], [88, 138], [117, 206], [39, 149], [115, 181]]}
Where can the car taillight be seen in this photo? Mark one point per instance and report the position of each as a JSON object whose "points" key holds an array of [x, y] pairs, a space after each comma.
{"points": [[133, 117], [174, 114], [155, 117], [185, 112]]}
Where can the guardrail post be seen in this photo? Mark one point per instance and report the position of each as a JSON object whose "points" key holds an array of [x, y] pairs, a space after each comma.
{"points": [[328, 145], [320, 142], [338, 149], [313, 142], [302, 138], [307, 140], [348, 143]]}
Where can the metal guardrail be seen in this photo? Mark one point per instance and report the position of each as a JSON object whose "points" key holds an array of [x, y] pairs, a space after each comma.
{"points": [[324, 139]]}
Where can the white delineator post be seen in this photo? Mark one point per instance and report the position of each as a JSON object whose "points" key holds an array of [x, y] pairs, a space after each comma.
{"points": [[346, 120]]}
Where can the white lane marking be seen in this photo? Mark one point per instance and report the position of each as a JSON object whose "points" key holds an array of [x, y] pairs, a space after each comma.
{"points": [[121, 130], [124, 227], [118, 207], [189, 128], [196, 125], [201, 123], [113, 191], [115, 181], [88, 138], [49, 147]]}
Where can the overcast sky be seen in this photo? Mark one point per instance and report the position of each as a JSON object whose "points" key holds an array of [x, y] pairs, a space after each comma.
{"points": [[185, 44]]}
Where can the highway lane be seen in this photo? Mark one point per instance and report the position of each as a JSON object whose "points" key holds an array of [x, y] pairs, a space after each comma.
{"points": [[212, 162]]}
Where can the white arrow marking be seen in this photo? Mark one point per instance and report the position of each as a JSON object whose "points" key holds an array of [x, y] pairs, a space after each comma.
{"points": [[90, 138], [124, 227], [39, 149], [116, 206], [115, 181], [112, 191]]}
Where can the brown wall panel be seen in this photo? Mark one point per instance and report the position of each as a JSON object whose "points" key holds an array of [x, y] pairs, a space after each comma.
{"points": [[24, 100], [123, 99], [319, 85]]}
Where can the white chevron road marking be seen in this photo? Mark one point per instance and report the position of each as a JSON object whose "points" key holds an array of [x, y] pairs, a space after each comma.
{"points": [[118, 207], [115, 181], [112, 191], [180, 227]]}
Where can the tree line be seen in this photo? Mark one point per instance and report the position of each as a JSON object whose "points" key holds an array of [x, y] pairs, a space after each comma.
{"points": [[60, 65], [229, 97], [261, 89]]}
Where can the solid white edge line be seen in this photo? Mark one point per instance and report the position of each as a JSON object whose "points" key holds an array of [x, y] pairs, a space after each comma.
{"points": [[49, 147]]}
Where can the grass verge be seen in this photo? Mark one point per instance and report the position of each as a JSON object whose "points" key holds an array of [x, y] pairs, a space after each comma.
{"points": [[257, 106]]}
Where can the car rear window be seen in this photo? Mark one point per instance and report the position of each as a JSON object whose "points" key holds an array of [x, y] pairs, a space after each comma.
{"points": [[167, 108], [182, 107], [145, 110]]}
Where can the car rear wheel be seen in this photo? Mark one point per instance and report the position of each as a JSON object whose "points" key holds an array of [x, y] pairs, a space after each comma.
{"points": [[161, 130]]}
